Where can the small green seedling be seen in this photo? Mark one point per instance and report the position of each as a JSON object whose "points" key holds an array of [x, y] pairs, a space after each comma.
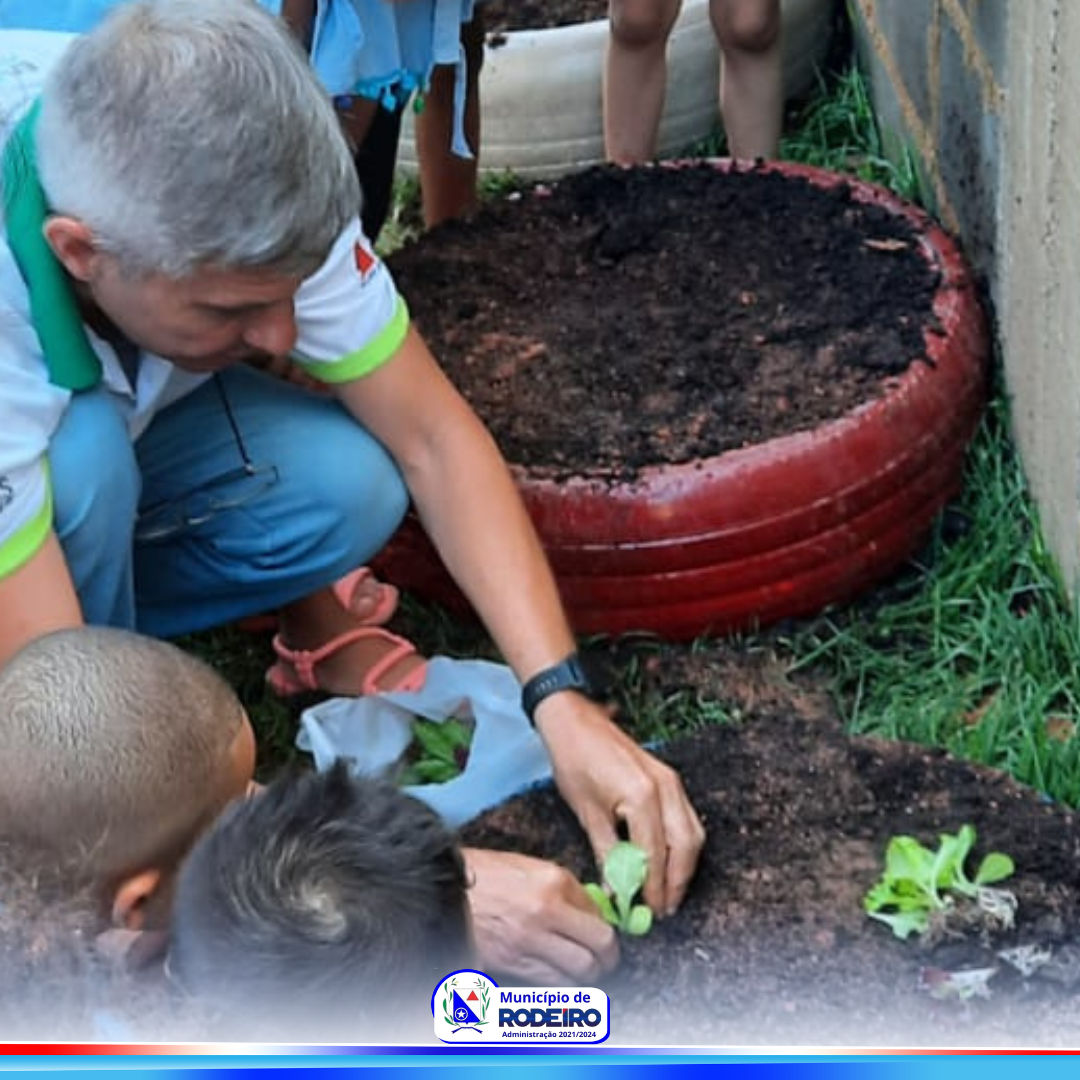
{"points": [[625, 870], [438, 752], [919, 884]]}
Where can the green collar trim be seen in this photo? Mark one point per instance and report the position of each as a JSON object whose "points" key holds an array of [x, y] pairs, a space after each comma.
{"points": [[72, 363]]}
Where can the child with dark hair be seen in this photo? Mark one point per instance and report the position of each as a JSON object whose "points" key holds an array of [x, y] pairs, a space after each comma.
{"points": [[324, 906]]}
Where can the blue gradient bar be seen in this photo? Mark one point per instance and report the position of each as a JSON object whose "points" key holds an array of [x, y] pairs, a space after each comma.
{"points": [[247, 1062]]}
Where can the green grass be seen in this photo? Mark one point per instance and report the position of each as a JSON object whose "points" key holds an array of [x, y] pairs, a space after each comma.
{"points": [[973, 648], [405, 221], [836, 129], [976, 648]]}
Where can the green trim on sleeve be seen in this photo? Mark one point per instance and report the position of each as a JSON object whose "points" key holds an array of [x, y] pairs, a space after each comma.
{"points": [[27, 541], [364, 361]]}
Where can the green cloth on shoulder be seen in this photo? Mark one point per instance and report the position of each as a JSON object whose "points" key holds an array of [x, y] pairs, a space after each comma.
{"points": [[72, 363]]}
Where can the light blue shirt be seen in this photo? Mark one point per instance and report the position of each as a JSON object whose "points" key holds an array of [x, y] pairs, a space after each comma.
{"points": [[367, 47]]}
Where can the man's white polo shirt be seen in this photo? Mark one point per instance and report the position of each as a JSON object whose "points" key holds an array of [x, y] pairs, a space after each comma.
{"points": [[350, 320]]}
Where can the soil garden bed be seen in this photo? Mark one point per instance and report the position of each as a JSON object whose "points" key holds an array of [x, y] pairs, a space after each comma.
{"points": [[631, 317], [772, 946], [729, 394]]}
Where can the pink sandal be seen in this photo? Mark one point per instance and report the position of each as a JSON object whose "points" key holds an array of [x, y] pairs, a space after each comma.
{"points": [[294, 671], [346, 590]]}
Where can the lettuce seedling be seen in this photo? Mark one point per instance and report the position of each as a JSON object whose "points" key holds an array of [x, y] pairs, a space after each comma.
{"points": [[438, 753], [625, 870], [917, 883]]}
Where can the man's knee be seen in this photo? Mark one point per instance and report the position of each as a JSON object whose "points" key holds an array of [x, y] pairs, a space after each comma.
{"points": [[641, 23], [746, 25], [364, 502], [94, 473]]}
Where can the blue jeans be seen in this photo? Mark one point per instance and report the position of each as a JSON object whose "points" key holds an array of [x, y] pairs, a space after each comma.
{"points": [[239, 498]]}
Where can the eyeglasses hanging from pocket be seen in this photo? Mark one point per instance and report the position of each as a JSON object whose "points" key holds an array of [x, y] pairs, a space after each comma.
{"points": [[236, 487]]}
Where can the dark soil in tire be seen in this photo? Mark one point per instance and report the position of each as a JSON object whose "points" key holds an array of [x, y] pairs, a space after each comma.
{"points": [[772, 946], [502, 16], [728, 394], [629, 318]]}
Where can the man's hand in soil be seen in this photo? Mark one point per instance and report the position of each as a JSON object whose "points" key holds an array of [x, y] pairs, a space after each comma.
{"points": [[532, 920], [608, 779]]}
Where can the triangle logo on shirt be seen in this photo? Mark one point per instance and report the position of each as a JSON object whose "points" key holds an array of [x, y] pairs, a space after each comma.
{"points": [[364, 258]]}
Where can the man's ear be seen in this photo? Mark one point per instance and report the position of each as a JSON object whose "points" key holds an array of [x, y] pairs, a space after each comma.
{"points": [[132, 898], [72, 242]]}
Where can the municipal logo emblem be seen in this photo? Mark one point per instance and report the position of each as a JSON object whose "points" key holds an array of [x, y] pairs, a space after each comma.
{"points": [[469, 1006], [466, 998]]}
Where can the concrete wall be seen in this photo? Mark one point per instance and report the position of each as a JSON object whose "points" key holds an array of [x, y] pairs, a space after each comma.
{"points": [[985, 94]]}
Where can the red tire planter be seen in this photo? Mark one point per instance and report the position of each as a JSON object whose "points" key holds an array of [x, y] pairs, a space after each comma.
{"points": [[783, 528]]}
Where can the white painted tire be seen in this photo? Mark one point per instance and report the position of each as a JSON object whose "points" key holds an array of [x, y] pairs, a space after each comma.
{"points": [[540, 90]]}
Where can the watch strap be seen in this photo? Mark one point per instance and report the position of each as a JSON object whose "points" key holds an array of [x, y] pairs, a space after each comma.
{"points": [[568, 674]]}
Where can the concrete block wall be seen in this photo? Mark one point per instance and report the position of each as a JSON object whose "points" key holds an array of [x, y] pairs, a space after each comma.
{"points": [[984, 94]]}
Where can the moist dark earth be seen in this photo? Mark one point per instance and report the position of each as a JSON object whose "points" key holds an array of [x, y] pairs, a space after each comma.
{"points": [[630, 317], [501, 16], [771, 946]]}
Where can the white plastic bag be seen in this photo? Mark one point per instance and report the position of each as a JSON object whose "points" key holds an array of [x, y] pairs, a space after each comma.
{"points": [[373, 732]]}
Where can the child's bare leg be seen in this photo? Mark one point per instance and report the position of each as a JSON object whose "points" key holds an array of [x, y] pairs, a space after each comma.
{"points": [[635, 77], [751, 84], [448, 182]]}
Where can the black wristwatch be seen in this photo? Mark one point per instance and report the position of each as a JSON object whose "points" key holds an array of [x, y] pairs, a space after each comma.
{"points": [[568, 674]]}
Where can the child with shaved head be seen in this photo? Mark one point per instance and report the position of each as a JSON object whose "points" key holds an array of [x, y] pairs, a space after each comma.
{"points": [[118, 750]]}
